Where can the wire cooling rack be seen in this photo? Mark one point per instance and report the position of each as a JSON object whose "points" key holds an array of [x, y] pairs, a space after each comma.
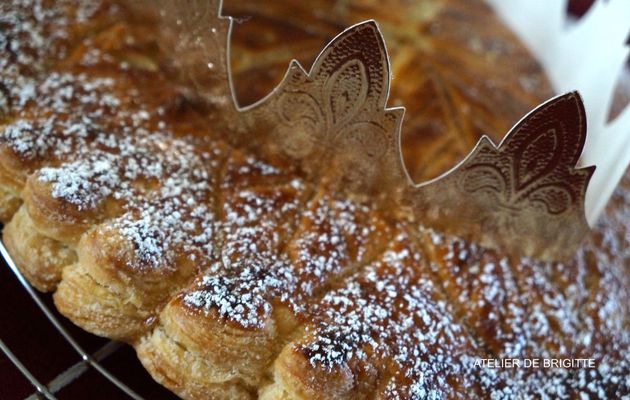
{"points": [[84, 364]]}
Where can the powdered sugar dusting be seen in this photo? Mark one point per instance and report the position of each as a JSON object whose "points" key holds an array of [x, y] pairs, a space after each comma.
{"points": [[83, 184], [522, 309], [243, 296], [75, 110], [250, 270], [265, 238], [32, 34], [179, 217], [391, 311], [258, 267]]}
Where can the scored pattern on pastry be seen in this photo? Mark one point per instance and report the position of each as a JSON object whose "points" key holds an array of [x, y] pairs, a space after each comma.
{"points": [[234, 275]]}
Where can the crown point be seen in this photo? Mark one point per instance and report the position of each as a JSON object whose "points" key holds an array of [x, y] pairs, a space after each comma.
{"points": [[537, 189]]}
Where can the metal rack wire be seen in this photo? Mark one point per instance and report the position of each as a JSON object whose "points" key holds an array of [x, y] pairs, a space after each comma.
{"points": [[86, 361]]}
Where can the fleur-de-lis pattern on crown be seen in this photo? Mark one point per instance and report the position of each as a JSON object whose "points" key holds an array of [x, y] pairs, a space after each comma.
{"points": [[524, 196], [335, 114]]}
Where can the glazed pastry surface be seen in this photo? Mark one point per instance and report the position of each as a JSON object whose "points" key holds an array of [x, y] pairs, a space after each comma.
{"points": [[235, 276]]}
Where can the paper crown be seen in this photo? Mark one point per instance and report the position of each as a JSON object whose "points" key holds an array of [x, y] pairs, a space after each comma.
{"points": [[524, 196]]}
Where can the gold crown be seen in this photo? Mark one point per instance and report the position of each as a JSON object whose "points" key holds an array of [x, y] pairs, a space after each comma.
{"points": [[525, 195]]}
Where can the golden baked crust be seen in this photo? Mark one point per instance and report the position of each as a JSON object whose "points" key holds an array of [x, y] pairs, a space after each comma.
{"points": [[436, 308], [9, 204], [235, 276], [41, 259]]}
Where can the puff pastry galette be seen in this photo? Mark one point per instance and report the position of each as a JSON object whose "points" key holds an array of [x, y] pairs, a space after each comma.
{"points": [[238, 276]]}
